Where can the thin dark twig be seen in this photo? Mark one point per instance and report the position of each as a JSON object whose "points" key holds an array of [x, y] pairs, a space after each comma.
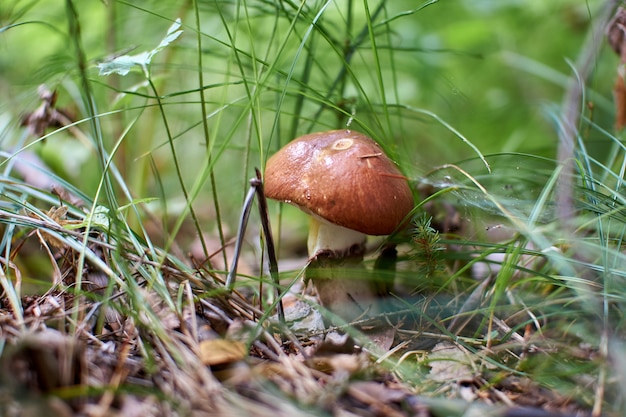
{"points": [[256, 188], [243, 223], [257, 183]]}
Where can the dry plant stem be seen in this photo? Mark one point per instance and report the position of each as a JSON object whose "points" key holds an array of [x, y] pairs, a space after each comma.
{"points": [[243, 223], [193, 327], [570, 114], [256, 188], [269, 240]]}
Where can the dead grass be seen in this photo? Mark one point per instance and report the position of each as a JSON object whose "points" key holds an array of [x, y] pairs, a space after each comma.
{"points": [[98, 353]]}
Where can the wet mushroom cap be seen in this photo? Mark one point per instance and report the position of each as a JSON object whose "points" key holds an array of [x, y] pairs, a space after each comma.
{"points": [[343, 177]]}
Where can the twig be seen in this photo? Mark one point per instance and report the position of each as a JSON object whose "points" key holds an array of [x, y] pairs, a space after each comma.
{"points": [[269, 241], [243, 223], [256, 188]]}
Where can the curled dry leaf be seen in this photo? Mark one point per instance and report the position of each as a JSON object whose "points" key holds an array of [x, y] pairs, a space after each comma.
{"points": [[47, 115], [615, 31], [57, 215]]}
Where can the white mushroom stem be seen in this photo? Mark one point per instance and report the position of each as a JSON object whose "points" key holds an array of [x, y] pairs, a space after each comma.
{"points": [[328, 237], [336, 270]]}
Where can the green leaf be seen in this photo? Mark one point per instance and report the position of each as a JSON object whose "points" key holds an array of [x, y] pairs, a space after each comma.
{"points": [[172, 34], [123, 64]]}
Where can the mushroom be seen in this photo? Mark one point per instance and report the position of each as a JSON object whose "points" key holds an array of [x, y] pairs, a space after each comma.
{"points": [[351, 189]]}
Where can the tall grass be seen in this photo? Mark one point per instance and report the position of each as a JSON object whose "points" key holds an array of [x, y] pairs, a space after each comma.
{"points": [[153, 163]]}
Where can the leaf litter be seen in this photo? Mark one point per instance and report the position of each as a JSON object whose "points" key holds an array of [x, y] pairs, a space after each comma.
{"points": [[214, 357]]}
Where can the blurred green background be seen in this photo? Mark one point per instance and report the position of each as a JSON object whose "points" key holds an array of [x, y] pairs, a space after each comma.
{"points": [[493, 70]]}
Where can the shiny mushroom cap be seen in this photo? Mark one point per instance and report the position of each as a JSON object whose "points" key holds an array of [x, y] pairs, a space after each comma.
{"points": [[343, 177]]}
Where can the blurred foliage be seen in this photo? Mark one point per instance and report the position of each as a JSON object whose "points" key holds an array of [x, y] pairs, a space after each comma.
{"points": [[493, 70], [424, 79]]}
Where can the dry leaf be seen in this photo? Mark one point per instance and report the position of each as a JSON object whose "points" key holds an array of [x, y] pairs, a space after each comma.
{"points": [[221, 351], [57, 215], [46, 115], [302, 318], [615, 31], [349, 363], [381, 339], [448, 363]]}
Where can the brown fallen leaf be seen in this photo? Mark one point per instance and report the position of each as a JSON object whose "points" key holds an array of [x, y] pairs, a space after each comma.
{"points": [[348, 363], [221, 351]]}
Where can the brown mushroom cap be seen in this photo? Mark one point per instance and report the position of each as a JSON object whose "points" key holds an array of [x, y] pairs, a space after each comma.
{"points": [[343, 177]]}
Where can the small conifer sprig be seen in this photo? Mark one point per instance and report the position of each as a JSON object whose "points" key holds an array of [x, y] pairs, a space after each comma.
{"points": [[427, 250]]}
